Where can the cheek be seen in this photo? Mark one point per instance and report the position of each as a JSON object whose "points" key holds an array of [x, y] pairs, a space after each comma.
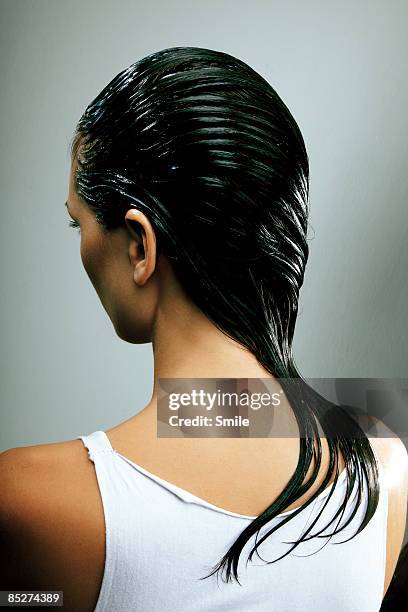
{"points": [[92, 259], [105, 270]]}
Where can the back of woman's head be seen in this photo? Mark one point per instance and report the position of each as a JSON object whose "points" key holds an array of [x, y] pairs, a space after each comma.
{"points": [[206, 149]]}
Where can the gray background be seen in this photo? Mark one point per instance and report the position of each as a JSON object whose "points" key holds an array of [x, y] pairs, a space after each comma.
{"points": [[341, 69]]}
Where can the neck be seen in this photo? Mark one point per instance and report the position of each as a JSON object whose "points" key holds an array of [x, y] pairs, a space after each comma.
{"points": [[187, 345]]}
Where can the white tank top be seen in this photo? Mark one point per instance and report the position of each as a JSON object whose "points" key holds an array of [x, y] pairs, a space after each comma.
{"points": [[161, 539]]}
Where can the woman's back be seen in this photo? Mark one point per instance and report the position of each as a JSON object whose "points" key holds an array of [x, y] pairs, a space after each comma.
{"points": [[161, 539]]}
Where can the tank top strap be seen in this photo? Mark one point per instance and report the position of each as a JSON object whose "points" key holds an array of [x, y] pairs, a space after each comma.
{"points": [[121, 529], [97, 443]]}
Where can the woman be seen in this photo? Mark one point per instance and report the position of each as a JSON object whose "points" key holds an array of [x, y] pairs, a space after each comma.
{"points": [[189, 185]]}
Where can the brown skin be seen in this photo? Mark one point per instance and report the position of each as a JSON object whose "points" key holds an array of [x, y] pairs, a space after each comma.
{"points": [[51, 517]]}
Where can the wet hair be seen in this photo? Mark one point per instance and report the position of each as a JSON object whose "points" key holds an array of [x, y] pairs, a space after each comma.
{"points": [[208, 151]]}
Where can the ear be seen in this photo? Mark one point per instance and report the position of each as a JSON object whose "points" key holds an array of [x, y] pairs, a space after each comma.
{"points": [[142, 246]]}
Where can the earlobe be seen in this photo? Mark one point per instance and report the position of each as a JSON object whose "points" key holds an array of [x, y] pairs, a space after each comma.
{"points": [[139, 274]]}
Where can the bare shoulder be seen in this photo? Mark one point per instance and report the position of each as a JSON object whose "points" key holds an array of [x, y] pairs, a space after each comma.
{"points": [[37, 474], [49, 523], [393, 456]]}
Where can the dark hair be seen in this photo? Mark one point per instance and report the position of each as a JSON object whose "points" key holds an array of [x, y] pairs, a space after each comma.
{"points": [[207, 150]]}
